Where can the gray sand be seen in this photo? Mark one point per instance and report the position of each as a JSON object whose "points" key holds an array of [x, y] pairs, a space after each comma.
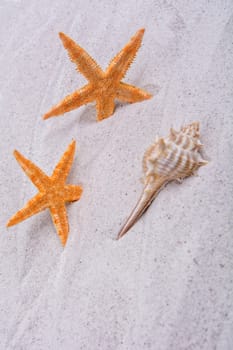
{"points": [[168, 284]]}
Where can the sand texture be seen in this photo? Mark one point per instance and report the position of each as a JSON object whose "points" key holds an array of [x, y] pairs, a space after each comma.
{"points": [[168, 284]]}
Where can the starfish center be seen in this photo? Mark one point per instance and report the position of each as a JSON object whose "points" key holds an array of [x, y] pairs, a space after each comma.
{"points": [[55, 194], [106, 87]]}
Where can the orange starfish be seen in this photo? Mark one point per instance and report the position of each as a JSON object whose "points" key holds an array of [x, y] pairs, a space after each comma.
{"points": [[53, 192], [103, 87]]}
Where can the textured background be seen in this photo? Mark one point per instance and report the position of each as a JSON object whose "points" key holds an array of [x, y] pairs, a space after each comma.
{"points": [[168, 284]]}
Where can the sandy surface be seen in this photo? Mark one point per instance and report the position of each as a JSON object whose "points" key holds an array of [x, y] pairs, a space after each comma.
{"points": [[168, 284]]}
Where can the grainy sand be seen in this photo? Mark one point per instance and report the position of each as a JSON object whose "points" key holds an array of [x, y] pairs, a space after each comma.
{"points": [[167, 285]]}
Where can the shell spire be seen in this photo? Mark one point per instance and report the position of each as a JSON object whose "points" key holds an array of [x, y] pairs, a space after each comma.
{"points": [[172, 158]]}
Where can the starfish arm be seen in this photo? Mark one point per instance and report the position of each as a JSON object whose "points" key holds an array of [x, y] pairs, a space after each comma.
{"points": [[130, 93], [60, 221], [63, 167], [122, 61], [84, 62], [33, 206], [36, 175], [72, 101], [72, 193], [105, 107]]}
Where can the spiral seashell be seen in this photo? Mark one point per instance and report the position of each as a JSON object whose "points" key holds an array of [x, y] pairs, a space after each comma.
{"points": [[172, 158]]}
